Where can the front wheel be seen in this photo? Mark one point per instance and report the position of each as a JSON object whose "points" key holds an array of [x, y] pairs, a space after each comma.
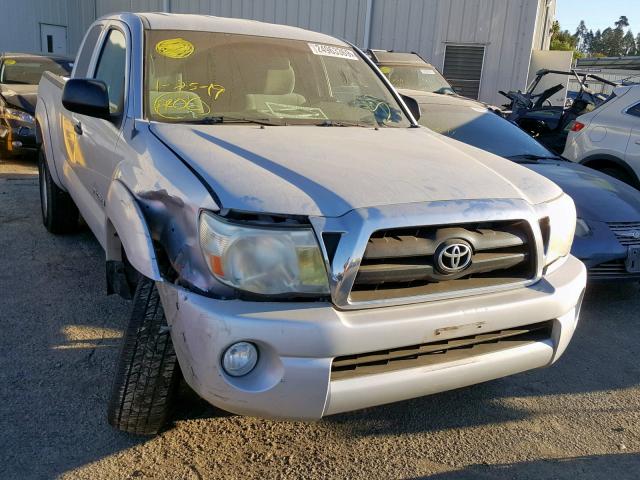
{"points": [[148, 375]]}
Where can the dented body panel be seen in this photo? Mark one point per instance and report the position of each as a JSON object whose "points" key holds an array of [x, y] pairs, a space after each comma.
{"points": [[300, 341], [142, 187]]}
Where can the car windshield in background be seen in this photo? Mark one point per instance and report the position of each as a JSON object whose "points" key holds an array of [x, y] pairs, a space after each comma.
{"points": [[218, 78], [422, 77], [27, 71], [483, 129]]}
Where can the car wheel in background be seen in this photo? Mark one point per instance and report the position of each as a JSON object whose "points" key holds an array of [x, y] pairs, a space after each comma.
{"points": [[59, 213], [619, 174], [148, 375]]}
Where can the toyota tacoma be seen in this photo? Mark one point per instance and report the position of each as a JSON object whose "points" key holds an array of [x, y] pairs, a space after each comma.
{"points": [[294, 244]]}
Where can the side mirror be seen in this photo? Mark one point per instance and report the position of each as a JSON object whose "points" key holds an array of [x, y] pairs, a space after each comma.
{"points": [[413, 106], [86, 97]]}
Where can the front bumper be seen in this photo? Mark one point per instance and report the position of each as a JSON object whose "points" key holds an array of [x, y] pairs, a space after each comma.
{"points": [[603, 255], [298, 342], [17, 138]]}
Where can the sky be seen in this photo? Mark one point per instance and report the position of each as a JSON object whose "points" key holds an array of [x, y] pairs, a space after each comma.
{"points": [[597, 14]]}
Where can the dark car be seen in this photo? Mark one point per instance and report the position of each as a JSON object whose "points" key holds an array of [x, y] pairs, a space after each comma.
{"points": [[19, 77], [607, 237]]}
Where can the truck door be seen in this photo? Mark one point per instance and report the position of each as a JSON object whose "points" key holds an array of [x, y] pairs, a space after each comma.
{"points": [[97, 139]]}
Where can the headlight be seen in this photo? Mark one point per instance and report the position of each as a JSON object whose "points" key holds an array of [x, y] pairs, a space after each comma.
{"points": [[582, 228], [562, 226], [13, 114], [267, 261]]}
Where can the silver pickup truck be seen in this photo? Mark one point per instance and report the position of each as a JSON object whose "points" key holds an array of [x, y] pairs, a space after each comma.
{"points": [[295, 245]]}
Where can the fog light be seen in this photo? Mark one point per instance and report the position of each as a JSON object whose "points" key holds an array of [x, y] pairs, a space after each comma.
{"points": [[239, 359]]}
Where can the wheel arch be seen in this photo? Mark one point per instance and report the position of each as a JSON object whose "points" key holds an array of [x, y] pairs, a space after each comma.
{"points": [[127, 231], [43, 139], [602, 160]]}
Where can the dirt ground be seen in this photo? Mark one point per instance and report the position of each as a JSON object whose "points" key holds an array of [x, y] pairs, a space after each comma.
{"points": [[579, 419]]}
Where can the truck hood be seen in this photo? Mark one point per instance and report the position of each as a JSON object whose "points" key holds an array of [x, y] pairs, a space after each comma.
{"points": [[328, 171], [22, 97], [597, 196]]}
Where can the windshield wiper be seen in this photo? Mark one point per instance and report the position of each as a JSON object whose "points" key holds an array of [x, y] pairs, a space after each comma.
{"points": [[340, 123], [224, 119], [533, 157]]}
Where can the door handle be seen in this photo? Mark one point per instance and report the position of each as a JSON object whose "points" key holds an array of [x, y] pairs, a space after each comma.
{"points": [[78, 128], [637, 142]]}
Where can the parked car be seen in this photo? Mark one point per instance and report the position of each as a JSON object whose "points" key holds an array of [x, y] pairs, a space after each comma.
{"points": [[607, 237], [608, 138], [264, 195], [19, 77], [411, 72]]}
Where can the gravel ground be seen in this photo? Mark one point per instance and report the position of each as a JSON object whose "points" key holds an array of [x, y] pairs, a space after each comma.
{"points": [[577, 419]]}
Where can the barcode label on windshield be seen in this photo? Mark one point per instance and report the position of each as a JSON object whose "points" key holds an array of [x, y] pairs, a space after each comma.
{"points": [[331, 51]]}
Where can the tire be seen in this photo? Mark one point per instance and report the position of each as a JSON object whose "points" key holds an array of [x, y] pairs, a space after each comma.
{"points": [[59, 213], [148, 375]]}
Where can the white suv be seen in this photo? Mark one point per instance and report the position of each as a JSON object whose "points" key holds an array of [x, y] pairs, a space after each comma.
{"points": [[608, 138]]}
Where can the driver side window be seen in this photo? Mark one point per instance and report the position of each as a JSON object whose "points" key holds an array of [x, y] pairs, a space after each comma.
{"points": [[111, 69]]}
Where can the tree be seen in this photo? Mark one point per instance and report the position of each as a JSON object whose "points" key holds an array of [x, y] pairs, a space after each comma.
{"points": [[623, 22], [611, 42], [588, 41], [628, 44], [581, 36], [596, 45], [613, 38], [562, 39]]}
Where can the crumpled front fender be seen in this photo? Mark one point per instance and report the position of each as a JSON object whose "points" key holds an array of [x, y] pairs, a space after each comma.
{"points": [[130, 227]]}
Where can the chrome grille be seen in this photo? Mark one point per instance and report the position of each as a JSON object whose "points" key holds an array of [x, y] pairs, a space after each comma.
{"points": [[627, 233], [402, 262]]}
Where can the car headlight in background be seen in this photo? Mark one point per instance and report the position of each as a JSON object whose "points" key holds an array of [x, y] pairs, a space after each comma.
{"points": [[582, 228], [263, 260], [14, 114], [562, 226]]}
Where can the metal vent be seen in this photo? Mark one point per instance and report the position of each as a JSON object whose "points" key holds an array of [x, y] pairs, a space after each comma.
{"points": [[627, 233], [613, 270], [350, 366], [463, 68], [404, 262]]}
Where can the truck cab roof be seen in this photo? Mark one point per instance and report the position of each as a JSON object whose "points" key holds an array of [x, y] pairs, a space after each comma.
{"points": [[210, 23]]}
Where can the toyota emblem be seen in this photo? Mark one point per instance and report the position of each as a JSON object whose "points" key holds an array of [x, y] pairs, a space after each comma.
{"points": [[454, 256]]}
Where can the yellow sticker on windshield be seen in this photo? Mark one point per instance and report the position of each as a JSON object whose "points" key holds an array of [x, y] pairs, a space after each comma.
{"points": [[9, 61], [175, 48], [385, 70]]}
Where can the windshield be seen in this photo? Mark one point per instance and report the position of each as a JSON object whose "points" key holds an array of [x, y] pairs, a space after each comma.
{"points": [[204, 76], [27, 71], [483, 129], [417, 77]]}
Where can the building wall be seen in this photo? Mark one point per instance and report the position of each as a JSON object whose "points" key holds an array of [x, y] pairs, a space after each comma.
{"points": [[20, 22], [504, 27], [508, 29]]}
